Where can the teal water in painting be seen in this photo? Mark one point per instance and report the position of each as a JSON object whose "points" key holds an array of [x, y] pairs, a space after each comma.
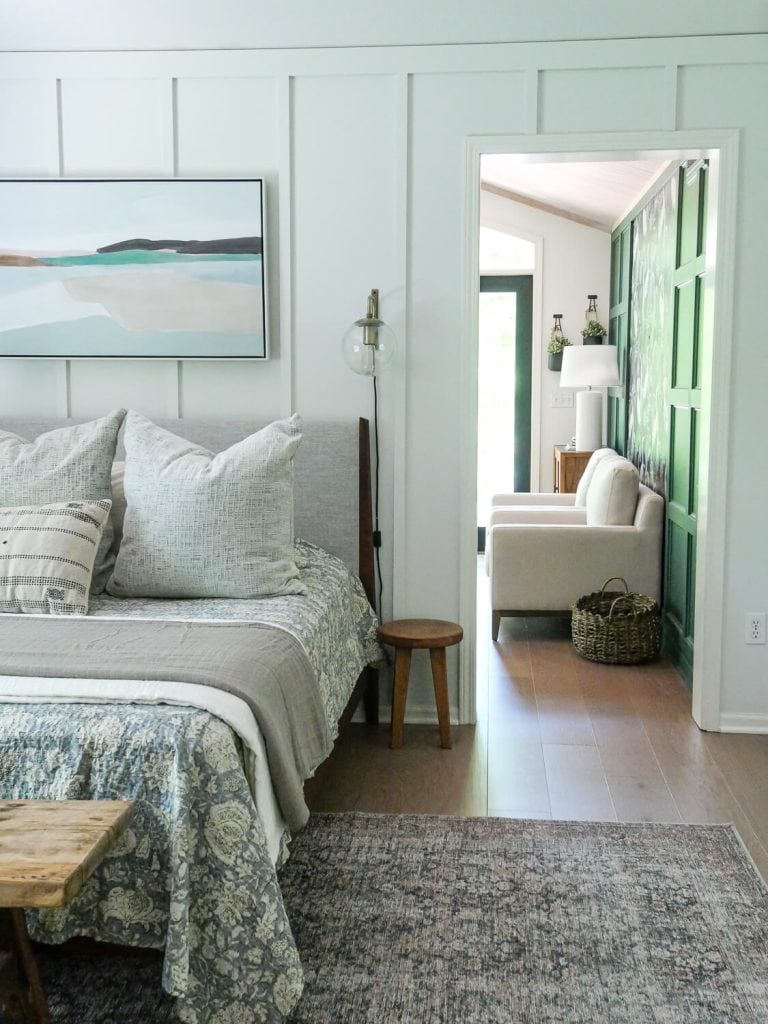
{"points": [[145, 257]]}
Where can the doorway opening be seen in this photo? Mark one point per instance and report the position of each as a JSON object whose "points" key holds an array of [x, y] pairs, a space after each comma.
{"points": [[547, 406]]}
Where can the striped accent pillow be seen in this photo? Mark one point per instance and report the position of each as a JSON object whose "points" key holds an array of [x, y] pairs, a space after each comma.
{"points": [[47, 554]]}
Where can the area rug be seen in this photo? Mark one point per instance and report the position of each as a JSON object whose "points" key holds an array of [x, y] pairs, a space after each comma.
{"points": [[437, 920]]}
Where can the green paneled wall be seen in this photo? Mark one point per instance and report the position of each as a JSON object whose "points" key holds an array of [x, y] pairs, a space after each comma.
{"points": [[650, 335]]}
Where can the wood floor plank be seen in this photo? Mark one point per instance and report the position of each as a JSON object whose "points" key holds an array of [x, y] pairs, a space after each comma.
{"points": [[577, 786], [565, 721], [519, 777], [639, 798]]}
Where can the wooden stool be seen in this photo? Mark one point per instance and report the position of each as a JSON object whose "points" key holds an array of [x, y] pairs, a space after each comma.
{"points": [[406, 635], [47, 851]]}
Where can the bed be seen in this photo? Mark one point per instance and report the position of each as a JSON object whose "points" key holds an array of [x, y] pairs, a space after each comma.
{"points": [[156, 698]]}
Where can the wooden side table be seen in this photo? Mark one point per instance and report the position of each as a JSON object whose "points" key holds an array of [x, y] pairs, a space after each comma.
{"points": [[47, 851], [569, 466], [407, 635]]}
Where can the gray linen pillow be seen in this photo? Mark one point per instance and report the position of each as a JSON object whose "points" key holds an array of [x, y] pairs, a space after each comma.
{"points": [[71, 463], [47, 554], [204, 525]]}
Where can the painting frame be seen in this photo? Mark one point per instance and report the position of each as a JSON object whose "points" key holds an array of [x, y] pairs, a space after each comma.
{"points": [[133, 268]]}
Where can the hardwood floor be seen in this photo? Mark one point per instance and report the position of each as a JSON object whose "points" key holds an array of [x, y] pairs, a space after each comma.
{"points": [[561, 737]]}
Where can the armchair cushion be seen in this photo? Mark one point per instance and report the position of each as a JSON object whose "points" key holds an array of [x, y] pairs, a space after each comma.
{"points": [[589, 471], [612, 495]]}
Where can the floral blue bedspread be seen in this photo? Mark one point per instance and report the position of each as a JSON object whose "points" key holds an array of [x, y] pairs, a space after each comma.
{"points": [[192, 872]]}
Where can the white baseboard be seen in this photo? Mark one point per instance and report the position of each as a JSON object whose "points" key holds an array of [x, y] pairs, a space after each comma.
{"points": [[736, 722], [416, 714]]}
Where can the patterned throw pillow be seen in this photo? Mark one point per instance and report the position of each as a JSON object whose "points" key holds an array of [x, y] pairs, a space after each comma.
{"points": [[204, 525], [71, 462], [47, 554]]}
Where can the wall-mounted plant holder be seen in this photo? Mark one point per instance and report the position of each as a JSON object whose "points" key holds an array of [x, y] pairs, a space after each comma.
{"points": [[593, 332], [557, 342]]}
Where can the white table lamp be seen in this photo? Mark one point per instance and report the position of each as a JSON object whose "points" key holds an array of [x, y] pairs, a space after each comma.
{"points": [[589, 366]]}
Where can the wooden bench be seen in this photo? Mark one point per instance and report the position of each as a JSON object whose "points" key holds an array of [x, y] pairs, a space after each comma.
{"points": [[47, 851]]}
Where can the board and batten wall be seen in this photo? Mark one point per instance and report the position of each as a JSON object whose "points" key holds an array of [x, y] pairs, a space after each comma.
{"points": [[364, 152]]}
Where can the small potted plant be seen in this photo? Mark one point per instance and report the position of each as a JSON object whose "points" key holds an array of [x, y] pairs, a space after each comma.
{"points": [[593, 331], [557, 342]]}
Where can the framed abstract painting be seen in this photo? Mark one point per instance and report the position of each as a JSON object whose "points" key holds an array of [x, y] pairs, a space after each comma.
{"points": [[150, 269]]}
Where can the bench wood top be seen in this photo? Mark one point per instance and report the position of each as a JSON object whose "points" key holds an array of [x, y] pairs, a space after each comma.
{"points": [[48, 848]]}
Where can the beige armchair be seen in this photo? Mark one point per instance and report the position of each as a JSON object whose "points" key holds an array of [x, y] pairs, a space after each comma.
{"points": [[542, 559]]}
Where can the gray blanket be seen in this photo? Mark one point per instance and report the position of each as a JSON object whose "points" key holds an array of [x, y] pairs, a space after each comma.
{"points": [[267, 668]]}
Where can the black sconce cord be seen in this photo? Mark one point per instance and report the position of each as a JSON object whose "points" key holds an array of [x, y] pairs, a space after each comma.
{"points": [[376, 531]]}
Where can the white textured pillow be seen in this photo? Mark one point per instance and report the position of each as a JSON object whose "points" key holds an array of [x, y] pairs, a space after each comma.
{"points": [[47, 554], [204, 525], [589, 471], [612, 495], [73, 462]]}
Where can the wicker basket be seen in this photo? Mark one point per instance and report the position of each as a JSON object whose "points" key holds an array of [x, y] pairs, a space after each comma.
{"points": [[615, 627]]}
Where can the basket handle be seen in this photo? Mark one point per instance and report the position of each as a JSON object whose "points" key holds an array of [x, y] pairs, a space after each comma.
{"points": [[616, 600], [620, 579]]}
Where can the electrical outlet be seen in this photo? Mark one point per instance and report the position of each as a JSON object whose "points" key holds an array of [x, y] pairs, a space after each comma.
{"points": [[755, 628]]}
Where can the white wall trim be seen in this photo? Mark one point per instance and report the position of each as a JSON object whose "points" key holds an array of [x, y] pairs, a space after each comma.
{"points": [[711, 535], [468, 453], [400, 409], [532, 100], [592, 54], [734, 722], [285, 121], [670, 95]]}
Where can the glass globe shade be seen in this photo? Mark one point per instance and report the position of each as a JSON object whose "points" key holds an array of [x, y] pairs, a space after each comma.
{"points": [[369, 346]]}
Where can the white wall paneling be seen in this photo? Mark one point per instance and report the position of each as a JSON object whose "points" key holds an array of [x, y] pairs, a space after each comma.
{"points": [[29, 127], [98, 385], [601, 99], [118, 127], [364, 150], [229, 127], [33, 387], [740, 488]]}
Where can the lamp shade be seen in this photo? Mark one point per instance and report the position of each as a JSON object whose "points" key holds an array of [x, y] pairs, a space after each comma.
{"points": [[590, 366], [370, 345]]}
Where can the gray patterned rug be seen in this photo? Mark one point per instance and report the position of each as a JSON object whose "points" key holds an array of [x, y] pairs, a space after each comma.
{"points": [[433, 920]]}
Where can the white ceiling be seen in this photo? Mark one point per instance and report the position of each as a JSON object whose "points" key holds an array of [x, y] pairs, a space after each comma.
{"points": [[599, 192]]}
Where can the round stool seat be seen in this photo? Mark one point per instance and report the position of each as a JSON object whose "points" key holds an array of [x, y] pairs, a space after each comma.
{"points": [[407, 635], [420, 633]]}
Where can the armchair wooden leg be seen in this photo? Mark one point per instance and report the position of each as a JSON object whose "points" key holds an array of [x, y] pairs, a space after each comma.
{"points": [[495, 623]]}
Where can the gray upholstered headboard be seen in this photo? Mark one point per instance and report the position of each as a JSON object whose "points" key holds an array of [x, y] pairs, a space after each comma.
{"points": [[327, 502]]}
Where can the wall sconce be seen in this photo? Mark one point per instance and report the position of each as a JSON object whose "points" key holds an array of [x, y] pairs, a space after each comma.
{"points": [[369, 346]]}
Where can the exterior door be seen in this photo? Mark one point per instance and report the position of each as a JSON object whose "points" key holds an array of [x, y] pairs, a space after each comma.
{"points": [[522, 286], [507, 388]]}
